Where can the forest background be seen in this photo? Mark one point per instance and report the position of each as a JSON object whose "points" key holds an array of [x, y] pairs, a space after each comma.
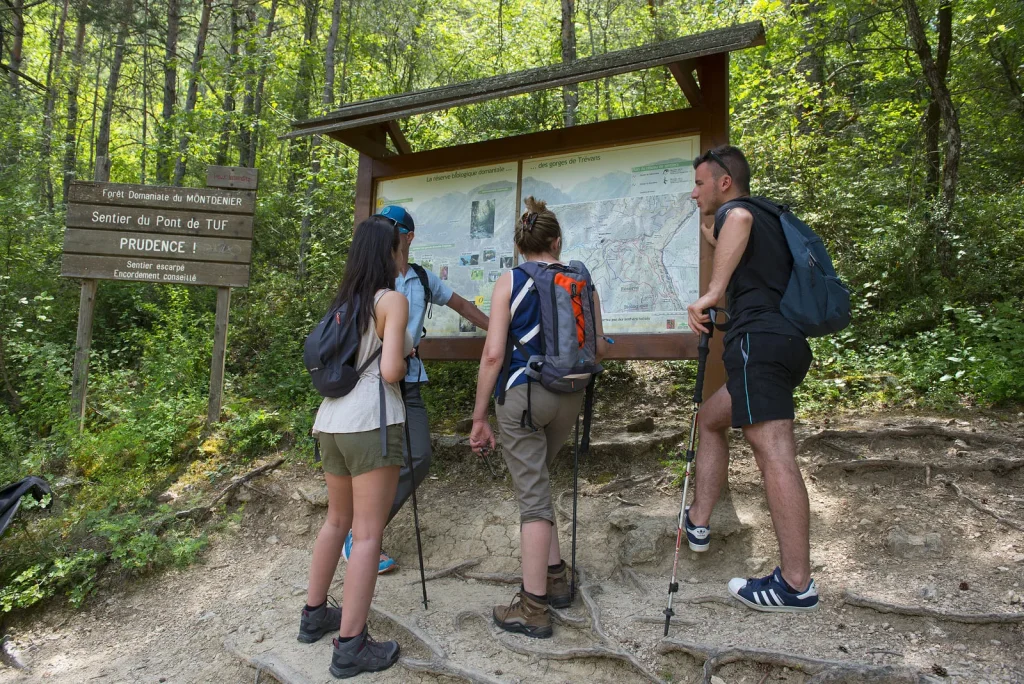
{"points": [[892, 126]]}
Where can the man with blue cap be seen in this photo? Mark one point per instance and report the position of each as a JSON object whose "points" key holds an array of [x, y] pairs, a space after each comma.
{"points": [[422, 288]]}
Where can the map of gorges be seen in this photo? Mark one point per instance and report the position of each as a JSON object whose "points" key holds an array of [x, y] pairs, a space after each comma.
{"points": [[626, 213], [635, 248]]}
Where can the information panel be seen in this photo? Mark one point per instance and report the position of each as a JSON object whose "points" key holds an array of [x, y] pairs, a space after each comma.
{"points": [[464, 232], [626, 213], [192, 236]]}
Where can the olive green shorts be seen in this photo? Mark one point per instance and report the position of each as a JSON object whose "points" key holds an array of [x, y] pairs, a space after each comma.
{"points": [[353, 453]]}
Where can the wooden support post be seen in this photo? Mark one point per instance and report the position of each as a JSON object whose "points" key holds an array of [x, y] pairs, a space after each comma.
{"points": [[365, 179], [220, 346], [713, 74], [83, 342]]}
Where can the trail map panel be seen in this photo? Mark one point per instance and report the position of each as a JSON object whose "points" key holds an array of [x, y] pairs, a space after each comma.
{"points": [[626, 213], [465, 221]]}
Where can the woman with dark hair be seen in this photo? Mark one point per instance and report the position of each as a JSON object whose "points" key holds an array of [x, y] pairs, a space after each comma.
{"points": [[361, 477], [534, 422]]}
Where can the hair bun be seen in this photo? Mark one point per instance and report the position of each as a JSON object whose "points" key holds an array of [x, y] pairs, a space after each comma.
{"points": [[535, 206]]}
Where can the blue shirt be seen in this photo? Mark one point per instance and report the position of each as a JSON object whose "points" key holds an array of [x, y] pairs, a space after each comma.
{"points": [[524, 325], [410, 285]]}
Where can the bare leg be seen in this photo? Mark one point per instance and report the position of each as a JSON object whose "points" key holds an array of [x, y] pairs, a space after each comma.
{"points": [[712, 461], [372, 494], [554, 552], [327, 549], [536, 547], [775, 452]]}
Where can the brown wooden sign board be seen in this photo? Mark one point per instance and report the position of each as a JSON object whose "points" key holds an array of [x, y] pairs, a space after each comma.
{"points": [[162, 197], [182, 247], [237, 177], [146, 270], [148, 220]]}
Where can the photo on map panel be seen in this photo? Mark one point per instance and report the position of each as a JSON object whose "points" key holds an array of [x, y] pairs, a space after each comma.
{"points": [[466, 326], [489, 255], [444, 272], [476, 274], [481, 219], [492, 276], [506, 262]]}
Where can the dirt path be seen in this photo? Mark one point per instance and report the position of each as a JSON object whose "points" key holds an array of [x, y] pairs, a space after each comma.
{"points": [[889, 529]]}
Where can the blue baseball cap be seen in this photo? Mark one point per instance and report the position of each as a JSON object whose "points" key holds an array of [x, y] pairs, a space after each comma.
{"points": [[399, 215]]}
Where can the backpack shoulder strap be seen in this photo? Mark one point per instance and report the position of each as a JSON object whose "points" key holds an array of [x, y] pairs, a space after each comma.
{"points": [[421, 273]]}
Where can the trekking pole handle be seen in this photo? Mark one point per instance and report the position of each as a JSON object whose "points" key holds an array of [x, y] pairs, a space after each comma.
{"points": [[703, 346]]}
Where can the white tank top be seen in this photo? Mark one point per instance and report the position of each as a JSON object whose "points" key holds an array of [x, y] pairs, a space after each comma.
{"points": [[359, 410]]}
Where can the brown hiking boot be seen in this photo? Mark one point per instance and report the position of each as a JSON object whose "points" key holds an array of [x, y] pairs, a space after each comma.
{"points": [[524, 616], [558, 587]]}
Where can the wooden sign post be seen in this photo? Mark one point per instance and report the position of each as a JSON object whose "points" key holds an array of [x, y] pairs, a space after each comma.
{"points": [[169, 235]]}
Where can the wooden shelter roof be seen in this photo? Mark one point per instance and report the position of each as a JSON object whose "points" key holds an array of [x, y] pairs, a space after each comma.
{"points": [[352, 123]]}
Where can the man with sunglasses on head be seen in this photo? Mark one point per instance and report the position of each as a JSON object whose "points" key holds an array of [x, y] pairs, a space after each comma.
{"points": [[766, 357], [422, 288]]}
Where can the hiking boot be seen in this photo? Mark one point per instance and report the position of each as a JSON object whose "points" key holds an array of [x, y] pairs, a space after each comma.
{"points": [[386, 564], [524, 615], [697, 536], [316, 623], [362, 654], [558, 587], [773, 594]]}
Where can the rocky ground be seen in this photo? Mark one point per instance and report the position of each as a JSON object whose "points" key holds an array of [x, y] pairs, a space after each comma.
{"points": [[917, 544]]}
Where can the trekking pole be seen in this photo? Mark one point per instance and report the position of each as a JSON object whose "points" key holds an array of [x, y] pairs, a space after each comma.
{"points": [[578, 446], [415, 511], [698, 395]]}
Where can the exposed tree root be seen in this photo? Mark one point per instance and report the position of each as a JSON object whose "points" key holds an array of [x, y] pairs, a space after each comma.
{"points": [[631, 575], [727, 601], [496, 577], [563, 618], [966, 618], [997, 466], [978, 506], [266, 662], [525, 647], [450, 570], [200, 513], [439, 663], [678, 622], [977, 438], [618, 484], [833, 671]]}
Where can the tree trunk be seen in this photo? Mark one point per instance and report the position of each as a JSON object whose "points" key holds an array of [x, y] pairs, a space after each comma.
{"points": [[327, 100], [570, 93], [933, 117], [103, 139], [17, 10], [170, 91], [229, 89], [96, 100], [245, 129], [348, 50], [299, 152], [145, 97], [50, 102], [193, 90], [940, 93], [70, 138], [257, 107], [1002, 57]]}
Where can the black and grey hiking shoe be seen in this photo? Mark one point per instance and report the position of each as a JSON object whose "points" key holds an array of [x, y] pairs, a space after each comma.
{"points": [[362, 654], [316, 623]]}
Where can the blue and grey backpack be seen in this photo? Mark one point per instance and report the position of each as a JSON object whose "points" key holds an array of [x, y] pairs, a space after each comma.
{"points": [[816, 301]]}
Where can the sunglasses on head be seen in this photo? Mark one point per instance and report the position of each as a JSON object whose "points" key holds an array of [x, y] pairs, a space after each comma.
{"points": [[711, 155], [402, 228]]}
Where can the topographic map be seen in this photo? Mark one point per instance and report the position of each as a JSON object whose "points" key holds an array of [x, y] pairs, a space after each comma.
{"points": [[626, 213]]}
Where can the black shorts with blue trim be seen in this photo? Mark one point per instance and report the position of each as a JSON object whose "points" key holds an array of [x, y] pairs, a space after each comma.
{"points": [[763, 370]]}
